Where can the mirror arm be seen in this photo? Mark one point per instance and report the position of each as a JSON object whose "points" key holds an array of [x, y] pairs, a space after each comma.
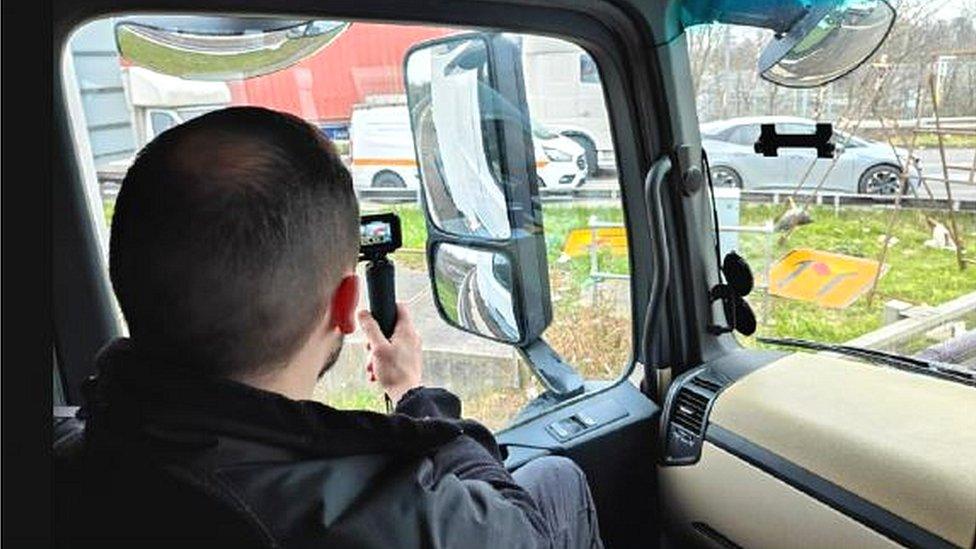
{"points": [[558, 377]]}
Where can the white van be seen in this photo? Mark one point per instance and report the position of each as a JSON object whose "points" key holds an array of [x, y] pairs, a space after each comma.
{"points": [[381, 148], [382, 154]]}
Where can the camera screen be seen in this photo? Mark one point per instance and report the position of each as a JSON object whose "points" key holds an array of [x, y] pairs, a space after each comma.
{"points": [[375, 232], [379, 234]]}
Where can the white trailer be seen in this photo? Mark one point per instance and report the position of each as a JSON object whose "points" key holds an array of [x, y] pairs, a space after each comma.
{"points": [[564, 92], [160, 101], [156, 103]]}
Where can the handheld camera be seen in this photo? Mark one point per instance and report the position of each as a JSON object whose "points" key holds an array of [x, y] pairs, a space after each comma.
{"points": [[379, 235]]}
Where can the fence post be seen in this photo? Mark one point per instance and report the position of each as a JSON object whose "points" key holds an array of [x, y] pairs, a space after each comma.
{"points": [[594, 260]]}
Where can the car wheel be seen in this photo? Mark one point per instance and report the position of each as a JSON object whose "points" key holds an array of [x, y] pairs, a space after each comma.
{"points": [[589, 152], [882, 179], [724, 176], [541, 183], [388, 180]]}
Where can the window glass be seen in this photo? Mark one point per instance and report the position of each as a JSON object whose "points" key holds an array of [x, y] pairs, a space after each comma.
{"points": [[745, 135], [161, 121], [837, 257], [353, 91], [589, 74]]}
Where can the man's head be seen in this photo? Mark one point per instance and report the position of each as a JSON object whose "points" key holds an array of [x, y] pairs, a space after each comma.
{"points": [[234, 241]]}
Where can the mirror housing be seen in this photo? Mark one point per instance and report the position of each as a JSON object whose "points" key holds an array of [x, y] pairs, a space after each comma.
{"points": [[479, 188]]}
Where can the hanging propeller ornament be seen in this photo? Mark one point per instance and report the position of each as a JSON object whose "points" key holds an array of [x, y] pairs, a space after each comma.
{"points": [[738, 278], [738, 284]]}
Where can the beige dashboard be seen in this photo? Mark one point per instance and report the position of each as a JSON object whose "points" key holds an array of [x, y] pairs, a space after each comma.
{"points": [[902, 441]]}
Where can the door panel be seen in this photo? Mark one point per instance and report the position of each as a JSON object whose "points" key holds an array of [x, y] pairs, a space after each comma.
{"points": [[616, 456]]}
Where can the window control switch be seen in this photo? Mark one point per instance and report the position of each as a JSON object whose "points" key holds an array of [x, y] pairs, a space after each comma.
{"points": [[585, 420]]}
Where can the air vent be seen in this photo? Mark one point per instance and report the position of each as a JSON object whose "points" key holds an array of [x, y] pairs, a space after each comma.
{"points": [[705, 383], [689, 398], [689, 410]]}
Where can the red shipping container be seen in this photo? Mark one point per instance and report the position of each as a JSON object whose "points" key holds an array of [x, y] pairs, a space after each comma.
{"points": [[366, 59]]}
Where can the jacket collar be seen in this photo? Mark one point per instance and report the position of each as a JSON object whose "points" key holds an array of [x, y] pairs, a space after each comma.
{"points": [[133, 395]]}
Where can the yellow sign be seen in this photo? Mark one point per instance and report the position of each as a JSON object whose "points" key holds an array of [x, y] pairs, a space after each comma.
{"points": [[827, 279], [578, 241]]}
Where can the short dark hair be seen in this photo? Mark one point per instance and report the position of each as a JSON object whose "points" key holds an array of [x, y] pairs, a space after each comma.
{"points": [[229, 234]]}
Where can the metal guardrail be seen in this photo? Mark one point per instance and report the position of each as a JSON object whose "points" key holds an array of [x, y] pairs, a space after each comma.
{"points": [[547, 195], [899, 332]]}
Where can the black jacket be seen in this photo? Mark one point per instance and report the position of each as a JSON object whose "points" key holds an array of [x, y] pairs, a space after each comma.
{"points": [[171, 457]]}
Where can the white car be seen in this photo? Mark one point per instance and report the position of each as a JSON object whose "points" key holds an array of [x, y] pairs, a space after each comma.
{"points": [[382, 153], [560, 162], [867, 167]]}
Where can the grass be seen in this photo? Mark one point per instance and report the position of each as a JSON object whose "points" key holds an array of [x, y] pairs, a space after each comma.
{"points": [[916, 274], [923, 140], [353, 399], [913, 269]]}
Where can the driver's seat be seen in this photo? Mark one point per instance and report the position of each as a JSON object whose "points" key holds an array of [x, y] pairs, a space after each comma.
{"points": [[131, 504]]}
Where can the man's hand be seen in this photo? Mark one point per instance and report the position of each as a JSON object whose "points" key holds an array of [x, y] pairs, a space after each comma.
{"points": [[397, 363]]}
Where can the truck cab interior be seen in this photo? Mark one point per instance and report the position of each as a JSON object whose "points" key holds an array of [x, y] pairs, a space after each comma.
{"points": [[688, 438]]}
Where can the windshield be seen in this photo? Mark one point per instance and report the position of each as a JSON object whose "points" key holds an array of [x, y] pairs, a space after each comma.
{"points": [[865, 248]]}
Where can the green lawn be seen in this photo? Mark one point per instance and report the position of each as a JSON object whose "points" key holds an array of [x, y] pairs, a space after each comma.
{"points": [[916, 274], [923, 140]]}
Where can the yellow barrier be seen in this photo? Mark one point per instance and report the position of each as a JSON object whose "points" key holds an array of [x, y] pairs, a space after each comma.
{"points": [[578, 241], [827, 279]]}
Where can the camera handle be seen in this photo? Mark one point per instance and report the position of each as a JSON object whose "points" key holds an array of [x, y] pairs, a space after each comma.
{"points": [[381, 289]]}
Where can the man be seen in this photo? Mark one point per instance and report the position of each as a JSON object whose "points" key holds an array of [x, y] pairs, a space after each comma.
{"points": [[233, 251]]}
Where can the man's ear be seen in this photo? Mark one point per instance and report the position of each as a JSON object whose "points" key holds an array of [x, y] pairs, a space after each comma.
{"points": [[345, 301]]}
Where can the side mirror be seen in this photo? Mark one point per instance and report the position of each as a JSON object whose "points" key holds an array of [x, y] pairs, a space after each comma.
{"points": [[485, 249]]}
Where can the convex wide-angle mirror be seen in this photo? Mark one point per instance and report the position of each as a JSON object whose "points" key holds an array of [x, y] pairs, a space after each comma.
{"points": [[815, 41], [473, 139], [830, 41], [218, 47], [474, 290]]}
